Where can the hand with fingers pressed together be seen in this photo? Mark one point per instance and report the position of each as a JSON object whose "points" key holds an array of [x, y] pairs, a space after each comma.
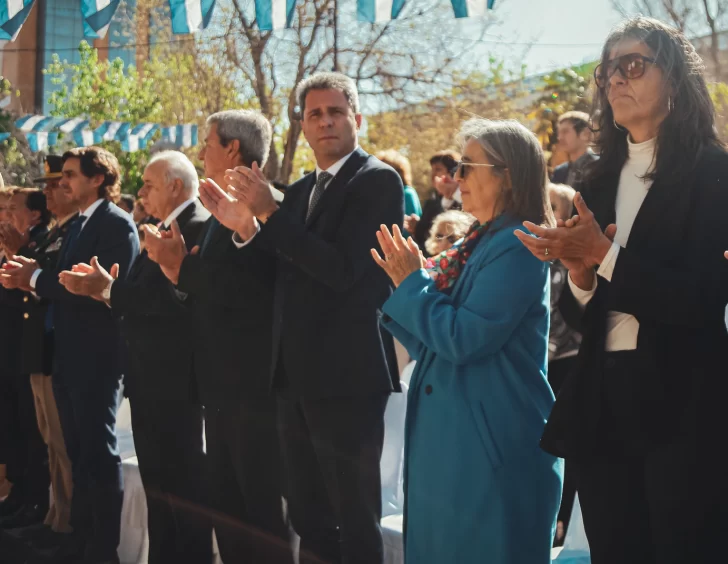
{"points": [[167, 249], [229, 211], [401, 257], [88, 279], [252, 189], [16, 273], [579, 243]]}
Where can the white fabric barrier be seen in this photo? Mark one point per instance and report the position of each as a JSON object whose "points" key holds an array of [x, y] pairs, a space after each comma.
{"points": [[576, 545], [392, 463]]}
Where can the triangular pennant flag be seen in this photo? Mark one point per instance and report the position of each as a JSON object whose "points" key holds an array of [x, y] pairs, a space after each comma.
{"points": [[471, 8], [13, 14], [189, 16], [378, 10], [274, 14], [97, 15], [41, 140]]}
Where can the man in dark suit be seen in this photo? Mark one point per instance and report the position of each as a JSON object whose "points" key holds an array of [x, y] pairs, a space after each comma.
{"points": [[37, 361], [158, 330], [87, 374], [574, 136], [333, 368], [232, 296], [26, 455]]}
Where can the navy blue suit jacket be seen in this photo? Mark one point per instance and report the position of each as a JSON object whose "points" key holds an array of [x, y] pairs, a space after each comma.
{"points": [[326, 335], [86, 333]]}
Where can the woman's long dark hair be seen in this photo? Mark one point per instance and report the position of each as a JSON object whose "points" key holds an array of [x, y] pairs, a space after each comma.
{"points": [[690, 124]]}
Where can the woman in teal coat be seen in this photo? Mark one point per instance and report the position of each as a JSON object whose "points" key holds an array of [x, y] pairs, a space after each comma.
{"points": [[478, 489]]}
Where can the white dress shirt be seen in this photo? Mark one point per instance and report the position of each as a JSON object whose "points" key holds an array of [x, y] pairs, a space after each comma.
{"points": [[457, 196], [622, 328], [333, 170], [177, 211], [84, 216]]}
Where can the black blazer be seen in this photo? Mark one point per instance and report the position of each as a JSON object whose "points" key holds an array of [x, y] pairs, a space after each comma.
{"points": [[157, 324], [328, 289], [86, 333], [37, 347], [232, 301], [430, 210], [673, 278], [11, 315]]}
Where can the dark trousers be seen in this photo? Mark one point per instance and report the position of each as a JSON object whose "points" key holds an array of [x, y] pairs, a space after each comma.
{"points": [[665, 504], [168, 442], [87, 411], [245, 477], [22, 449], [558, 371], [332, 448]]}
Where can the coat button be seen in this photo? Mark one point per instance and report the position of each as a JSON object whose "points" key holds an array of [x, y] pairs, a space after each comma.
{"points": [[26, 316], [428, 389], [25, 299]]}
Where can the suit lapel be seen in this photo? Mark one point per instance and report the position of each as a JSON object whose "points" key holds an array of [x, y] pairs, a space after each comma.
{"points": [[602, 199], [337, 188]]}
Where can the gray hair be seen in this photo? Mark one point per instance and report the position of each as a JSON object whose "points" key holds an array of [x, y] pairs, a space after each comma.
{"points": [[179, 167], [459, 223], [519, 160], [250, 128], [328, 81]]}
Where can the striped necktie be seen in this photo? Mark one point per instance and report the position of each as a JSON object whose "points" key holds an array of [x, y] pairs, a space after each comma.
{"points": [[318, 191]]}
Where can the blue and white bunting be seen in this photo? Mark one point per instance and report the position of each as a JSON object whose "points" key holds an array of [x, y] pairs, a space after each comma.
{"points": [[375, 11], [74, 124], [83, 138], [189, 16], [41, 140], [180, 135], [97, 15], [30, 123], [471, 8], [4, 137], [274, 14], [13, 14]]}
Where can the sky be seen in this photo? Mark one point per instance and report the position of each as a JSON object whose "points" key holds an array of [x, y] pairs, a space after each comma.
{"points": [[564, 32]]}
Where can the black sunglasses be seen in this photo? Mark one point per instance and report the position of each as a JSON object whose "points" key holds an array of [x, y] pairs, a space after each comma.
{"points": [[630, 66], [462, 168], [451, 238]]}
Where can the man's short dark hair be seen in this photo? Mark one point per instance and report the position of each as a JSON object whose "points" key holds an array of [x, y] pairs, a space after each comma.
{"points": [[448, 158], [97, 161], [128, 200], [578, 120]]}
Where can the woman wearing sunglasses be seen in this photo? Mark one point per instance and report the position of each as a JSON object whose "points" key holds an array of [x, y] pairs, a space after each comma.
{"points": [[643, 415], [477, 486]]}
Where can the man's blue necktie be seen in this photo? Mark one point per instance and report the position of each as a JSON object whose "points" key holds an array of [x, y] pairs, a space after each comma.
{"points": [[71, 239]]}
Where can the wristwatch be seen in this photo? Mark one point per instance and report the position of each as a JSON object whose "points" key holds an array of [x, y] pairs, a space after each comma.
{"points": [[106, 294]]}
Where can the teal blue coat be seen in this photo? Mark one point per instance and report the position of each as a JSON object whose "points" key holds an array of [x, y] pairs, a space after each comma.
{"points": [[478, 489]]}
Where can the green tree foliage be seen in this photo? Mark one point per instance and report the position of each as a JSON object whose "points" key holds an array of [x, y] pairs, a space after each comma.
{"points": [[17, 163]]}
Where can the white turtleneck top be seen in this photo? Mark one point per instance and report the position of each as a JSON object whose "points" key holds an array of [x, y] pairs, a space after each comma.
{"points": [[622, 328]]}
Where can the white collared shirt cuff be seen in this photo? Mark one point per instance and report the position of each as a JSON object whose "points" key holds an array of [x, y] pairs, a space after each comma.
{"points": [[606, 269], [34, 277], [582, 296], [239, 243]]}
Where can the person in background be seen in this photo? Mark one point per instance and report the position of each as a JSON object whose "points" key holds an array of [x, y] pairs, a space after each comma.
{"points": [[127, 202], [574, 138], [4, 483], [642, 418], [445, 196], [401, 164], [563, 344], [478, 487], [447, 228], [37, 361], [87, 365], [27, 455]]}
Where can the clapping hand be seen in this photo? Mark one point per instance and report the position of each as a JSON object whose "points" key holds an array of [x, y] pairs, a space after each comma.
{"points": [[251, 188], [88, 279], [410, 222], [401, 257], [167, 249], [16, 273], [229, 211]]}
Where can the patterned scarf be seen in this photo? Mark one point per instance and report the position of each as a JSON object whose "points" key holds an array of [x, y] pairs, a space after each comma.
{"points": [[446, 267]]}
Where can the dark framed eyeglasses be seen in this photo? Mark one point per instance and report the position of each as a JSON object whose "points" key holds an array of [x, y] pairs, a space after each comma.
{"points": [[630, 66], [461, 168]]}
